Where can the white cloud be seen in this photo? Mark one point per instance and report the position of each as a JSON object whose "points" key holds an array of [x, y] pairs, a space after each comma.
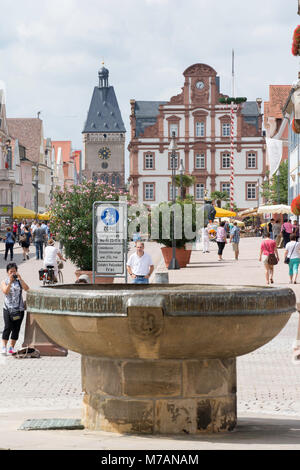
{"points": [[51, 51]]}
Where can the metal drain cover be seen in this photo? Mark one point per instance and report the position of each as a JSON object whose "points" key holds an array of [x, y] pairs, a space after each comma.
{"points": [[51, 424]]}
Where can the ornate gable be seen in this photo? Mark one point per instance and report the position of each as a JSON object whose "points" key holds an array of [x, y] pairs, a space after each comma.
{"points": [[199, 70]]}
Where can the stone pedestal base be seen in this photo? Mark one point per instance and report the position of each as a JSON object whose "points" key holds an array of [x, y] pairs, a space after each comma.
{"points": [[159, 396]]}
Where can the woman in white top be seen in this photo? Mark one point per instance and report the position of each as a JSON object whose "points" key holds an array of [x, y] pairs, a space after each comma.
{"points": [[50, 256], [205, 239], [292, 251]]}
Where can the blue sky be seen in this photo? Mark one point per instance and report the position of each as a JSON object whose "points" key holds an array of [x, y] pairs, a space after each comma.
{"points": [[50, 52]]}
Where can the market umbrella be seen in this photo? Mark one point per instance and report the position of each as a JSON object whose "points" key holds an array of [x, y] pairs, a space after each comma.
{"points": [[276, 209], [45, 216], [223, 213], [248, 212], [20, 212]]}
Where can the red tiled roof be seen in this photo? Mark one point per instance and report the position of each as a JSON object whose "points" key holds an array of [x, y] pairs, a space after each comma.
{"points": [[29, 132], [66, 148], [278, 96]]}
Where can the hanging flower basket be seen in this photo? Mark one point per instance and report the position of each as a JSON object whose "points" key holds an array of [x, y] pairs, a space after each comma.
{"points": [[296, 41], [295, 206], [296, 126]]}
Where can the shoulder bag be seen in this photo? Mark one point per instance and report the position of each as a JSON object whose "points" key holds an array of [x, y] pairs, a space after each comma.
{"points": [[272, 260], [16, 314], [287, 259], [27, 353]]}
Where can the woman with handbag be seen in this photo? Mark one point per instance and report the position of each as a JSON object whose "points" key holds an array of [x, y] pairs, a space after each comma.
{"points": [[25, 239], [269, 256], [292, 257], [13, 307]]}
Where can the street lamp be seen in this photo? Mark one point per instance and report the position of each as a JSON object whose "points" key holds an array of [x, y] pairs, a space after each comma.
{"points": [[181, 172], [173, 147]]}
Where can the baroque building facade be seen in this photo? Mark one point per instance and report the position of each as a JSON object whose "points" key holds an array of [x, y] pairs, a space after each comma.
{"points": [[202, 128], [104, 136]]}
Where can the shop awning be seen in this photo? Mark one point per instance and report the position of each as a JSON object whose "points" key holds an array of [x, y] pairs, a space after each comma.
{"points": [[45, 216], [223, 213], [276, 209], [20, 212]]}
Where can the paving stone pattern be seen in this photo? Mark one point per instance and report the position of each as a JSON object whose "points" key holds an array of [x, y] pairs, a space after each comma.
{"points": [[268, 382]]}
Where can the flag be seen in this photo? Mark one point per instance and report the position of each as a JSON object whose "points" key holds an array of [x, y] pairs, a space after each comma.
{"points": [[274, 147]]}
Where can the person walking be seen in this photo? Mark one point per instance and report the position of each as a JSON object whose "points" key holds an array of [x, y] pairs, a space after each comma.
{"points": [[221, 239], [15, 230], [205, 239], [235, 239], [277, 233], [292, 251], [25, 239], [39, 237], [296, 229], [9, 244], [286, 231], [268, 247], [13, 307], [140, 265], [270, 228]]}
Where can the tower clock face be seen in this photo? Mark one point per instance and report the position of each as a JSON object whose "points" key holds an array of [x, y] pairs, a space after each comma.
{"points": [[104, 153], [200, 85]]}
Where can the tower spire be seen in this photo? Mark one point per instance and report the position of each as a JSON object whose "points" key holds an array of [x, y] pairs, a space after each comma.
{"points": [[103, 76]]}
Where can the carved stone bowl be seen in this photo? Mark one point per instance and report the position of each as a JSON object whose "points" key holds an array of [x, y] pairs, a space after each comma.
{"points": [[160, 358]]}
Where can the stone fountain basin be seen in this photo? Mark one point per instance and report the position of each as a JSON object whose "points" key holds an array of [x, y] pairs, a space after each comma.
{"points": [[181, 321]]}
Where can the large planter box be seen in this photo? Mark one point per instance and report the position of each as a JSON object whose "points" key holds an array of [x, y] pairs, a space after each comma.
{"points": [[182, 255]]}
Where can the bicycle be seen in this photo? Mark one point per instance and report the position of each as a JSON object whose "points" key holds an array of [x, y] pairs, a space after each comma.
{"points": [[47, 276]]}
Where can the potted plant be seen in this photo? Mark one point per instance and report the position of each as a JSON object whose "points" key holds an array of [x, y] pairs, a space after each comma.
{"points": [[159, 218], [72, 219]]}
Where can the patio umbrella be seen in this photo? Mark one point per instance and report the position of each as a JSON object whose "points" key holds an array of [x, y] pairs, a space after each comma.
{"points": [[276, 209], [248, 212], [223, 213], [20, 212], [45, 216]]}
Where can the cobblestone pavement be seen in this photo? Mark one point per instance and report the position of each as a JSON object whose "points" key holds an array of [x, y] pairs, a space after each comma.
{"points": [[268, 382]]}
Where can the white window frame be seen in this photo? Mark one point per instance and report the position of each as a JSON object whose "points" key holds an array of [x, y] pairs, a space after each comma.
{"points": [[176, 162], [226, 129], [149, 189], [225, 156], [149, 161], [226, 189], [174, 128], [200, 161], [171, 192], [251, 158], [251, 191], [201, 188], [200, 129]]}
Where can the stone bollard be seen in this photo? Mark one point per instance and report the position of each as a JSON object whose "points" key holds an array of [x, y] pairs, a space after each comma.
{"points": [[161, 278]]}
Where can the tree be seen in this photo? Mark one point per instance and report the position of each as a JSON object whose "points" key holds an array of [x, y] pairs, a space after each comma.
{"points": [[186, 180], [219, 196], [275, 190]]}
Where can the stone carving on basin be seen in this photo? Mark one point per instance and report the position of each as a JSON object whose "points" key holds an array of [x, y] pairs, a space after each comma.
{"points": [[160, 358]]}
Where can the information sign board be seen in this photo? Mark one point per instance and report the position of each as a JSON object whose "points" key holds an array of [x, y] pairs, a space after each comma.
{"points": [[110, 239]]}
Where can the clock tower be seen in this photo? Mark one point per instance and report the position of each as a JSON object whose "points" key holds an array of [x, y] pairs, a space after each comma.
{"points": [[104, 136]]}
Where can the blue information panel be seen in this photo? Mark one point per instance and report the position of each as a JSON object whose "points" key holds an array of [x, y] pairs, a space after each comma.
{"points": [[110, 239]]}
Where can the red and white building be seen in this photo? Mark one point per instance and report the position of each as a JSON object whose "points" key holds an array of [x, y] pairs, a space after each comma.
{"points": [[202, 128]]}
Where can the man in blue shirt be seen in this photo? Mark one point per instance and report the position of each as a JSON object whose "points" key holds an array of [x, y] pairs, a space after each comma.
{"points": [[235, 239]]}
